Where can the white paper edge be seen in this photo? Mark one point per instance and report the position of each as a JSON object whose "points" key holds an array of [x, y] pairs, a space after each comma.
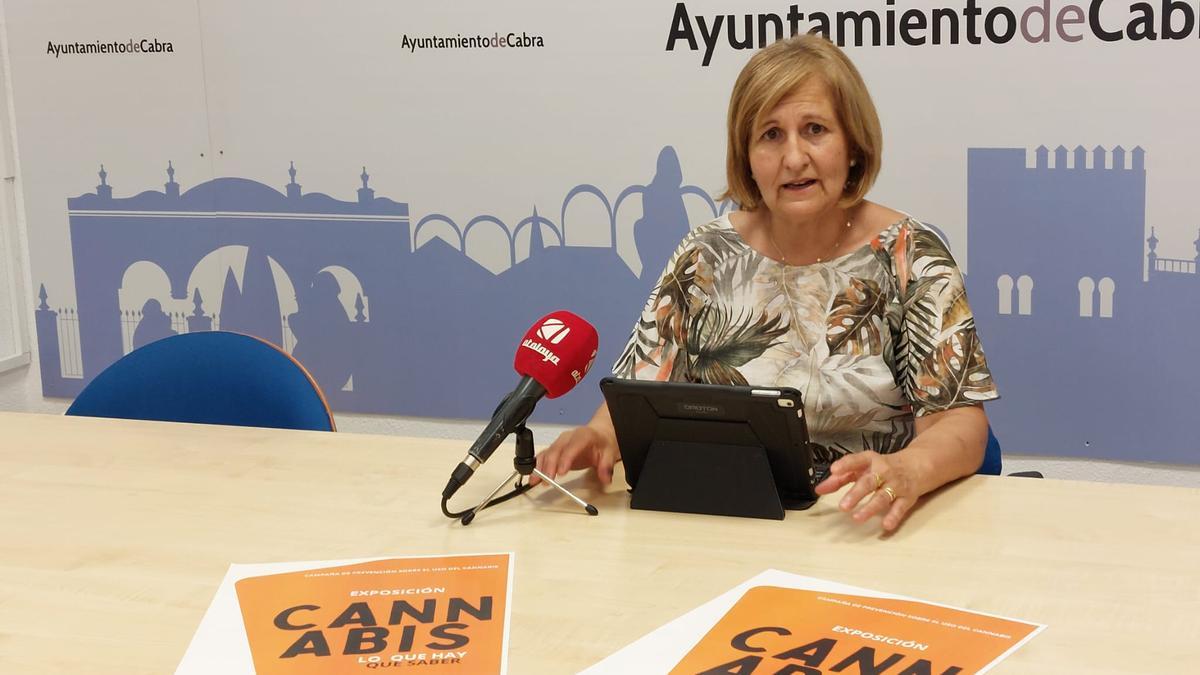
{"points": [[663, 648], [219, 644], [508, 603]]}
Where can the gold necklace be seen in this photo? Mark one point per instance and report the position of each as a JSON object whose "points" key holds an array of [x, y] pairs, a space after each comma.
{"points": [[832, 251]]}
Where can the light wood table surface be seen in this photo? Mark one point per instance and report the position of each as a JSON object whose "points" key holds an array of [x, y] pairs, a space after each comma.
{"points": [[115, 535]]}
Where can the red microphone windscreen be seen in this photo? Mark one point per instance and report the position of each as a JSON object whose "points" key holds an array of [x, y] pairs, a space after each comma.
{"points": [[557, 351]]}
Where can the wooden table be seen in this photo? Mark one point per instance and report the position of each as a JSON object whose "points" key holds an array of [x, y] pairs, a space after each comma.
{"points": [[115, 535]]}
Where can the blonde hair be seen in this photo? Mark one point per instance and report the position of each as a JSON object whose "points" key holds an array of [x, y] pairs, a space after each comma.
{"points": [[774, 73]]}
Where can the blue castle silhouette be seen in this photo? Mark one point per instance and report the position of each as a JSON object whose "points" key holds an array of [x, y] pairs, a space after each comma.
{"points": [[1084, 324], [439, 330]]}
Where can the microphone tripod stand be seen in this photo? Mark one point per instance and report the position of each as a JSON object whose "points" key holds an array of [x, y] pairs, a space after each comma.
{"points": [[524, 465]]}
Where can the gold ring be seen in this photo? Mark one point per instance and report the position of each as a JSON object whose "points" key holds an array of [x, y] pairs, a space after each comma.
{"points": [[890, 493], [878, 481]]}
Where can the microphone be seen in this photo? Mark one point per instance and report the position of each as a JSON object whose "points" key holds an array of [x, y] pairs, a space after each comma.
{"points": [[554, 355]]}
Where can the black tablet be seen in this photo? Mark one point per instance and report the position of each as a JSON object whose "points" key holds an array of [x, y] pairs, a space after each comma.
{"points": [[706, 436]]}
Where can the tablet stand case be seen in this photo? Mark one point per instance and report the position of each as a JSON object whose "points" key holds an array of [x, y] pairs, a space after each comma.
{"points": [[708, 478]]}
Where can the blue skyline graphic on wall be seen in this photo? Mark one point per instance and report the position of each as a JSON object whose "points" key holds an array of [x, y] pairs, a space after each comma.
{"points": [[1086, 326], [1083, 319], [432, 333]]}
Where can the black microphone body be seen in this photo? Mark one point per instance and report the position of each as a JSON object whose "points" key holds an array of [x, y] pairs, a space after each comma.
{"points": [[514, 410]]}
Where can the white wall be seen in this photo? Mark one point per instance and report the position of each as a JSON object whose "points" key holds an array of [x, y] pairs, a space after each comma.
{"points": [[14, 351], [20, 389]]}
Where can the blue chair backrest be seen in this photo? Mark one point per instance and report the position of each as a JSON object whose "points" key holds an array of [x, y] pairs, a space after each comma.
{"points": [[209, 378], [991, 456]]}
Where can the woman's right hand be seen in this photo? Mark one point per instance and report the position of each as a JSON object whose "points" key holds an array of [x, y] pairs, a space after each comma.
{"points": [[591, 445]]}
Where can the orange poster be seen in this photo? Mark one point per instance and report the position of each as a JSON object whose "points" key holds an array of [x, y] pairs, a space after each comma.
{"points": [[447, 615], [810, 632]]}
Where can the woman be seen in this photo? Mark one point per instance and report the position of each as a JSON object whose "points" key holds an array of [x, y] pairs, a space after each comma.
{"points": [[809, 285]]}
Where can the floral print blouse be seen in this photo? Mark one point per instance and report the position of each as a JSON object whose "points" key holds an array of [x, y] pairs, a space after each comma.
{"points": [[866, 354]]}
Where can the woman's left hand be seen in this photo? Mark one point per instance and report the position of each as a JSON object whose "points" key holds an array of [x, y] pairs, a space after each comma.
{"points": [[883, 485]]}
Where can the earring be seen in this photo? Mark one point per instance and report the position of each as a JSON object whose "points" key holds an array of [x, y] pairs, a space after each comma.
{"points": [[853, 162]]}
